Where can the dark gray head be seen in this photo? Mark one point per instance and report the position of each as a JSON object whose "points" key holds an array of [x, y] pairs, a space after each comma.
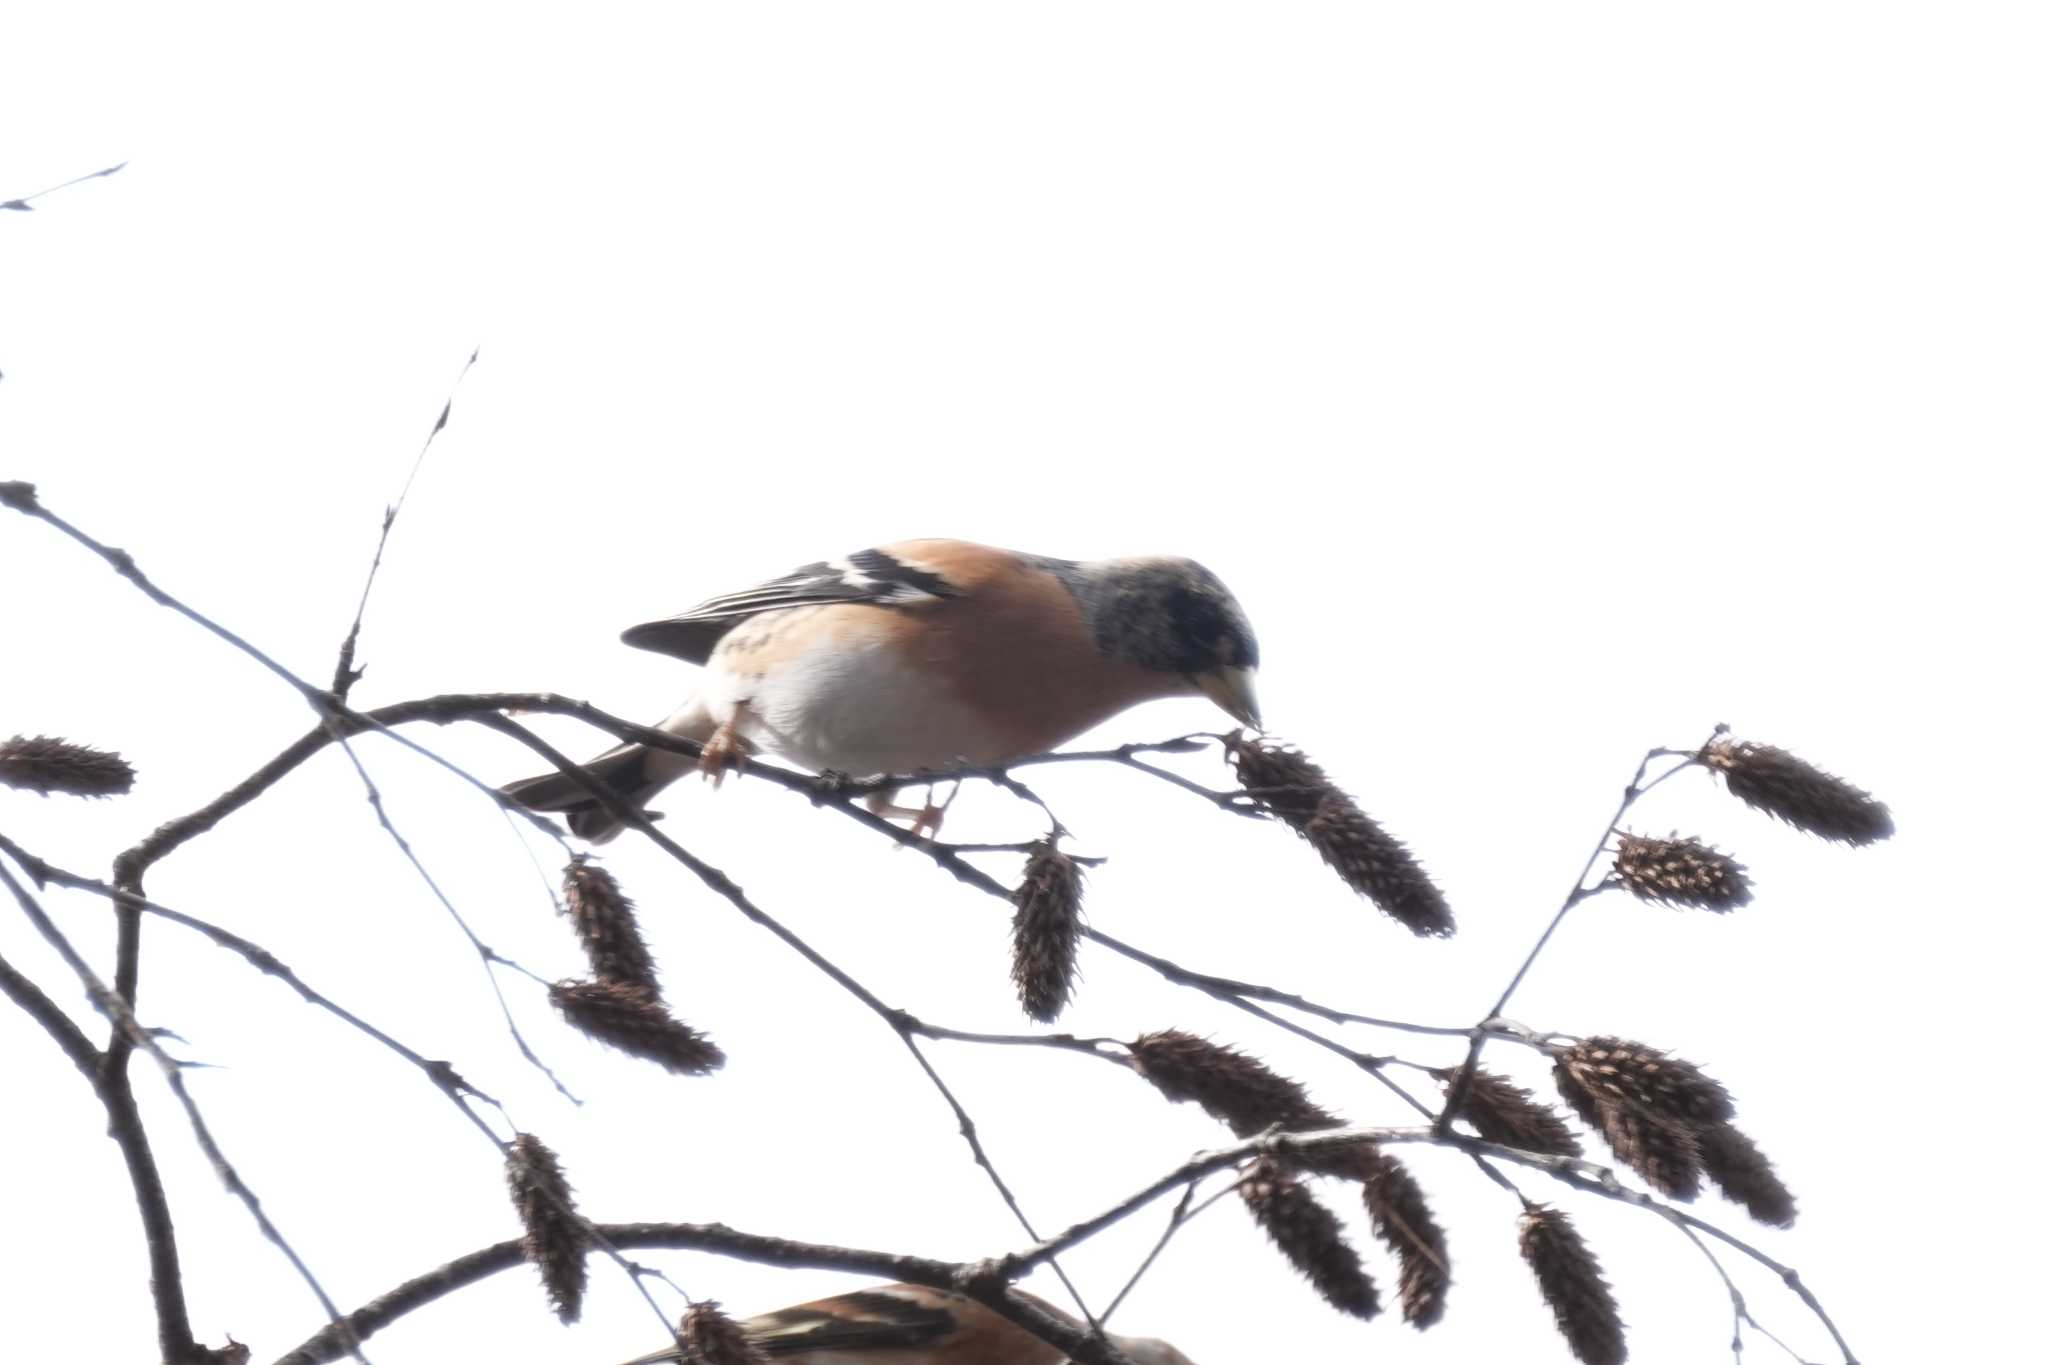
{"points": [[1173, 616]]}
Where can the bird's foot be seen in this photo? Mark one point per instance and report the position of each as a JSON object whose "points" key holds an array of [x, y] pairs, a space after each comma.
{"points": [[722, 752], [924, 819]]}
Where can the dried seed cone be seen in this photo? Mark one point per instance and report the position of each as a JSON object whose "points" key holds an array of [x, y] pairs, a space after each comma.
{"points": [[1378, 866], [1639, 1075], [1401, 1219], [1310, 1237], [1663, 1150], [1289, 786], [1581, 1100], [635, 1022], [1569, 1275], [706, 1334], [39, 763], [1355, 1160], [1045, 933], [1793, 790], [1236, 1089], [1285, 782], [1746, 1175], [555, 1241], [1501, 1111], [605, 922], [1678, 871]]}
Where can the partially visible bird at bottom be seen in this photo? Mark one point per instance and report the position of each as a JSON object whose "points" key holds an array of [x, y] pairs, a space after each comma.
{"points": [[923, 656], [908, 1324]]}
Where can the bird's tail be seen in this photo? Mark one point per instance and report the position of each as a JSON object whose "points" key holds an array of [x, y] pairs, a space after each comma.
{"points": [[633, 772]]}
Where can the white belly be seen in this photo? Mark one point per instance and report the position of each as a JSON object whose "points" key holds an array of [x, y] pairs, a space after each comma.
{"points": [[852, 708]]}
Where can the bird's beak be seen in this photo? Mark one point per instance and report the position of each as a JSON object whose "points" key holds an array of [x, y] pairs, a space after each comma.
{"points": [[1231, 689]]}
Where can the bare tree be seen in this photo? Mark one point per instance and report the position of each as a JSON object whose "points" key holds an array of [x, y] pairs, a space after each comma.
{"points": [[1669, 1127]]}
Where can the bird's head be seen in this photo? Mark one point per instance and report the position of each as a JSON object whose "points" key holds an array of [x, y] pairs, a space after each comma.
{"points": [[1174, 616]]}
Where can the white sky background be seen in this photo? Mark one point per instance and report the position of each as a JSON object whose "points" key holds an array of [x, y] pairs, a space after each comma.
{"points": [[1548, 382]]}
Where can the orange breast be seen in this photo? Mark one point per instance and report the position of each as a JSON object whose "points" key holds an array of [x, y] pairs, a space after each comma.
{"points": [[1015, 649]]}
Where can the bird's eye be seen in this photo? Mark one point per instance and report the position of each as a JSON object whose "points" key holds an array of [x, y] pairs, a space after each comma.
{"points": [[1197, 616]]}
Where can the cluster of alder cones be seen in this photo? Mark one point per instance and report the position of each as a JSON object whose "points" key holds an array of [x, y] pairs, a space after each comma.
{"points": [[1661, 1116]]}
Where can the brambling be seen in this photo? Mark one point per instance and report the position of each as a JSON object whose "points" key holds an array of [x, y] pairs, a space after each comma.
{"points": [[924, 656], [908, 1324]]}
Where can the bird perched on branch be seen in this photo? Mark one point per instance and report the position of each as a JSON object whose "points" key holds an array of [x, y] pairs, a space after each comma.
{"points": [[908, 1324], [923, 656]]}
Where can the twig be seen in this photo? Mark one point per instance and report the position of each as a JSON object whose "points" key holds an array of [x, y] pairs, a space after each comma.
{"points": [[1226, 988], [52, 1019], [1737, 1307], [22, 498], [488, 956], [444, 1076], [970, 1132], [1174, 1222], [345, 672], [26, 202], [1124, 755], [1481, 1031], [124, 1124], [1092, 1047], [119, 1100]]}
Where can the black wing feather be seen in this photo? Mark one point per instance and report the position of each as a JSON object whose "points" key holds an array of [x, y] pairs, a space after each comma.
{"points": [[893, 1323], [864, 576]]}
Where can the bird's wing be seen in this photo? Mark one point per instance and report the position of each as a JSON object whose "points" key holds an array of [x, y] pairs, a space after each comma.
{"points": [[900, 1317], [903, 1324], [876, 576]]}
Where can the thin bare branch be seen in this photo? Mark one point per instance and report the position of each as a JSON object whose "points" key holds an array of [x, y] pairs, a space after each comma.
{"points": [[1580, 892], [970, 1132], [166, 1279], [345, 671], [444, 1076], [51, 1018], [1175, 1221], [487, 956], [22, 498], [25, 203]]}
